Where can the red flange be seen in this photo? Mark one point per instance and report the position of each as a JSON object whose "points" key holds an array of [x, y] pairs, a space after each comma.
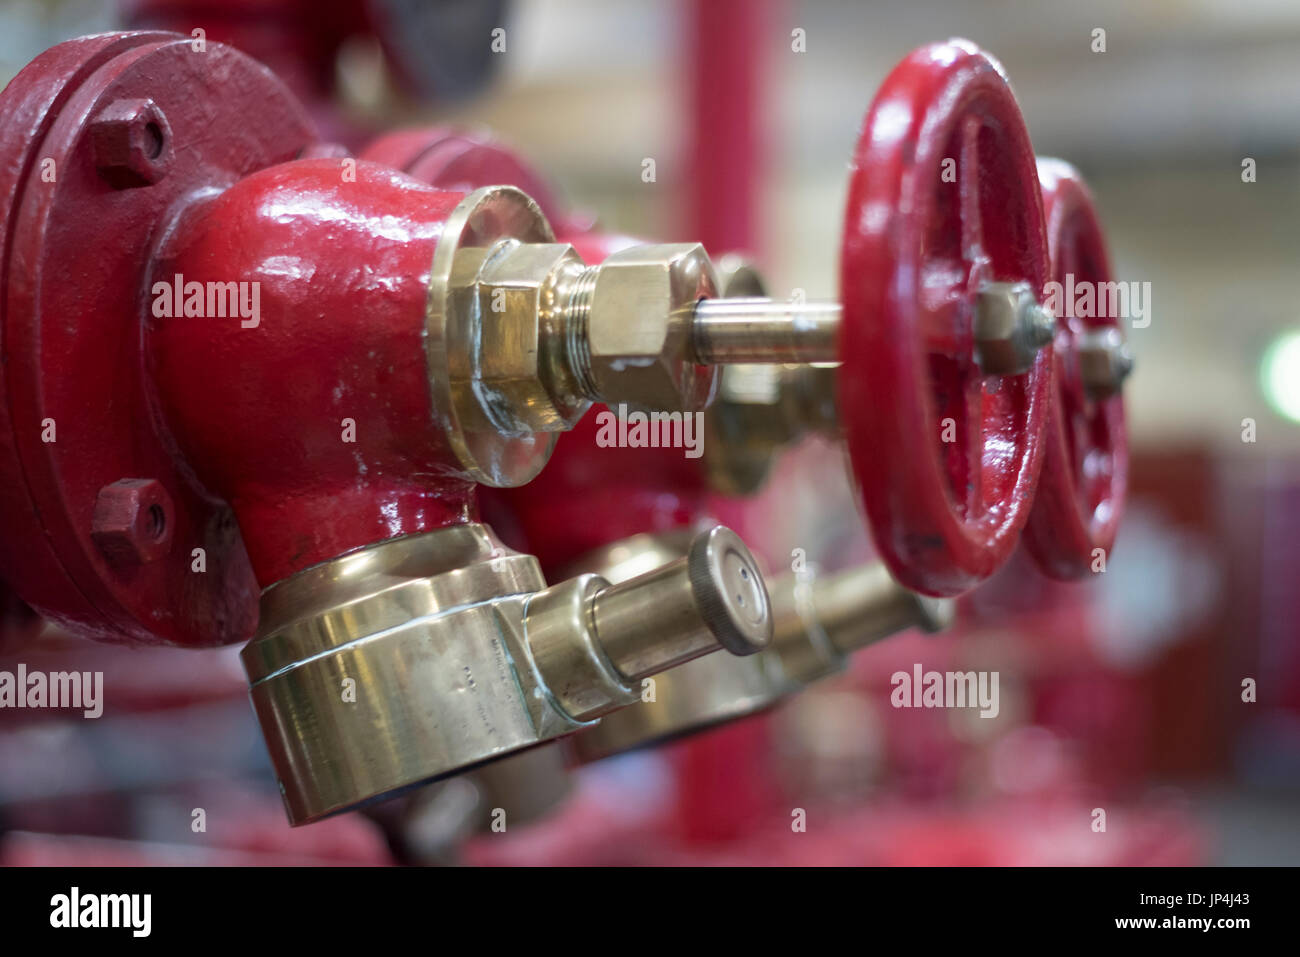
{"points": [[942, 198], [1085, 465], [99, 145], [150, 190]]}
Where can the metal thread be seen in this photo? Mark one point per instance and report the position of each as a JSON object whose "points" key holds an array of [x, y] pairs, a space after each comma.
{"points": [[577, 321]]}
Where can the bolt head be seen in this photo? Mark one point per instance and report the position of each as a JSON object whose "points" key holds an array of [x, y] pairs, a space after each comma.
{"points": [[639, 330], [132, 522], [132, 143]]}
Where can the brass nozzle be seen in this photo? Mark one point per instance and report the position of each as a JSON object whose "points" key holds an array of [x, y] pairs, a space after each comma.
{"points": [[593, 642]]}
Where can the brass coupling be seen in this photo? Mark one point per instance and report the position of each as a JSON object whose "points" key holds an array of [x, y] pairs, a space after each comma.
{"points": [[424, 656]]}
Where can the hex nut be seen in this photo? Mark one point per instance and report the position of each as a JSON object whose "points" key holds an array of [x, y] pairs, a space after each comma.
{"points": [[1010, 328], [132, 522], [519, 365], [132, 143], [1104, 361], [639, 327]]}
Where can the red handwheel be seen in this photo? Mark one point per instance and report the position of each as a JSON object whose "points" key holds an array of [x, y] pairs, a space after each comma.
{"points": [[1085, 460], [943, 201]]}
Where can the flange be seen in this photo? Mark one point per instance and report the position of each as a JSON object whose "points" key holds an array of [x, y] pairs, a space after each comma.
{"points": [[103, 136], [1085, 462], [942, 200]]}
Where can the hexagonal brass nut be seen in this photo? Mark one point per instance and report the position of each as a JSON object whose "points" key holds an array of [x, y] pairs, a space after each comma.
{"points": [[132, 143], [639, 329], [523, 290], [1010, 328], [132, 523], [1104, 361]]}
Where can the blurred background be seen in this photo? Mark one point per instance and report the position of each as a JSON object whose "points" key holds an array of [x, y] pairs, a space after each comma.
{"points": [[1123, 693]]}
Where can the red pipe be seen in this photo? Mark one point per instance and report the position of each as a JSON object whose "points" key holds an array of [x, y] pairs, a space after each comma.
{"points": [[726, 139]]}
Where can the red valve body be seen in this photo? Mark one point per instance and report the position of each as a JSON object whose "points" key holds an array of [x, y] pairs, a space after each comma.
{"points": [[263, 413], [136, 158]]}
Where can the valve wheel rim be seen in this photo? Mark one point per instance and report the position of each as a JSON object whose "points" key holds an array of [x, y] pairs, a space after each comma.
{"points": [[946, 458], [1085, 461]]}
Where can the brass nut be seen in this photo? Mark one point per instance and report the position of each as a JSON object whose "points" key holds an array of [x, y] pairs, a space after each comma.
{"points": [[132, 143], [1010, 328], [1104, 361], [523, 290], [132, 522], [639, 327]]}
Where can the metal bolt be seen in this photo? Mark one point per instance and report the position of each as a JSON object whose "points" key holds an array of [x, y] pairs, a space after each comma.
{"points": [[132, 143], [1104, 361], [132, 522]]}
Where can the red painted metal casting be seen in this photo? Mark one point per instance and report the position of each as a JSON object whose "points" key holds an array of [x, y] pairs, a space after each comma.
{"points": [[99, 144], [916, 248], [343, 267], [160, 424], [1085, 464], [132, 163]]}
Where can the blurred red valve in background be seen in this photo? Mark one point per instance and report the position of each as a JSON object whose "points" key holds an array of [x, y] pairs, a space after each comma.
{"points": [[1085, 464]]}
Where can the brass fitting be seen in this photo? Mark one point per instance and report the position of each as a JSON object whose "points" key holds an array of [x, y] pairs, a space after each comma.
{"points": [[821, 620], [423, 656], [521, 336], [818, 623], [761, 408], [638, 327], [1010, 328], [1104, 362]]}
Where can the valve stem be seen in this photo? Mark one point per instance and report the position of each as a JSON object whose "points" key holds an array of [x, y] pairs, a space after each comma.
{"points": [[1010, 327], [726, 331]]}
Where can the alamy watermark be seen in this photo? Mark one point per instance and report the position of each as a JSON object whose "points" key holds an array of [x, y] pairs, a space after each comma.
{"points": [[1099, 300], [946, 689], [55, 689], [634, 429], [179, 299], [76, 909]]}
